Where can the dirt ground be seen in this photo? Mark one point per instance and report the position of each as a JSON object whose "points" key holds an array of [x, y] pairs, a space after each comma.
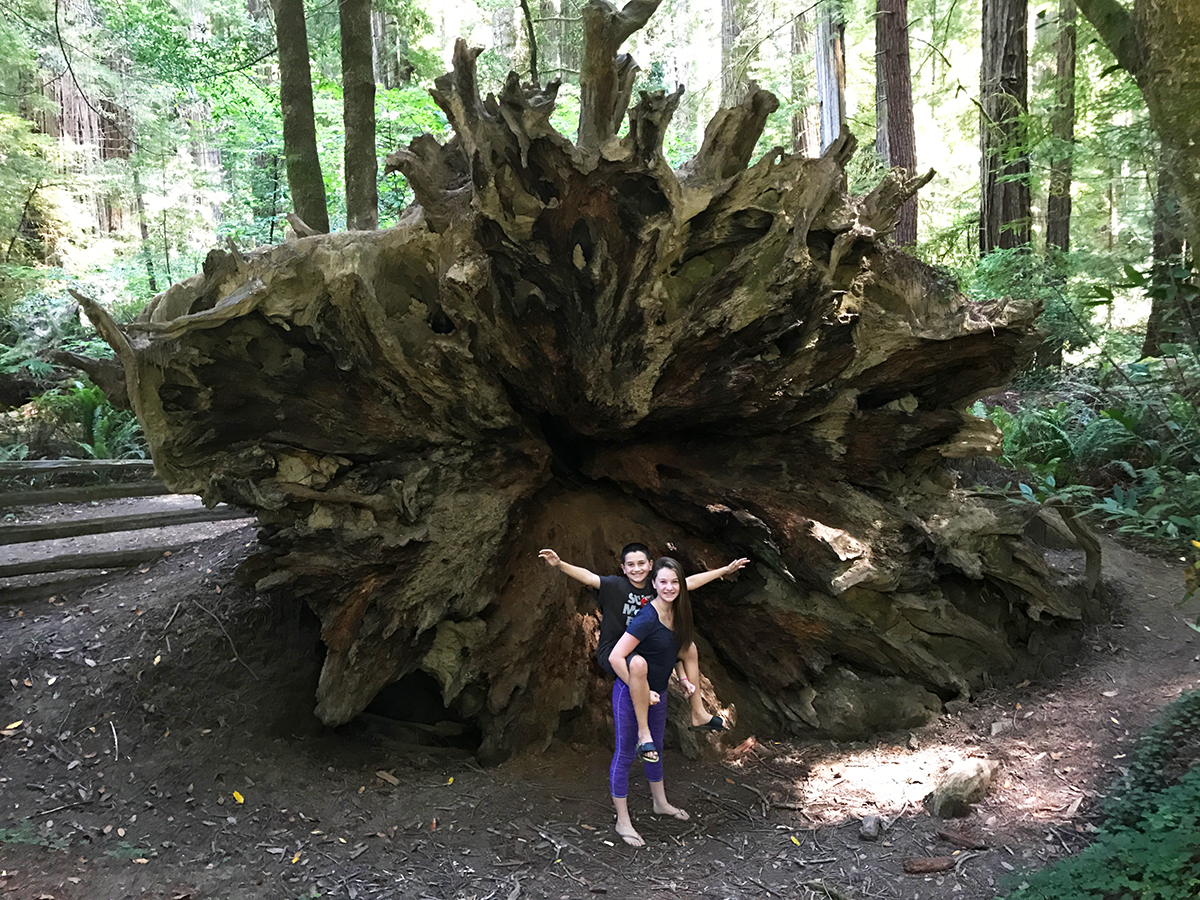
{"points": [[160, 744]]}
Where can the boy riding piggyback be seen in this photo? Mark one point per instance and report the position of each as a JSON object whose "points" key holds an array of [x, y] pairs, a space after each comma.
{"points": [[620, 598]]}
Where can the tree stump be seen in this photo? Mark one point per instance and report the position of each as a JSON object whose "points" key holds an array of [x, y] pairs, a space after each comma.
{"points": [[572, 345]]}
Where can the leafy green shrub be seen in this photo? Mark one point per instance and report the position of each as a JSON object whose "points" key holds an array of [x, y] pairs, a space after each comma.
{"points": [[1149, 848], [1159, 859], [1024, 274]]}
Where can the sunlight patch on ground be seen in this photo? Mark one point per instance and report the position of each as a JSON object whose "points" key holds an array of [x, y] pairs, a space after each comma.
{"points": [[884, 780]]}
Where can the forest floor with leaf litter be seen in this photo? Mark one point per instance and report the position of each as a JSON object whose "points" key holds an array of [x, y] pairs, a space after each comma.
{"points": [[161, 744]]}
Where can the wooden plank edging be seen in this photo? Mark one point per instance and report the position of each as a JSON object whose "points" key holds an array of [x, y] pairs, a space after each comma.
{"points": [[10, 499], [73, 466], [111, 559], [48, 531]]}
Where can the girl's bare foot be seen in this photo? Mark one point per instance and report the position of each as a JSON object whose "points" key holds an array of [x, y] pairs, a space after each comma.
{"points": [[666, 809], [630, 836]]}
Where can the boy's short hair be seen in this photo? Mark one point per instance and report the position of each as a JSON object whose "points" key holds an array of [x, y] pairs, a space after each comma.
{"points": [[635, 547]]}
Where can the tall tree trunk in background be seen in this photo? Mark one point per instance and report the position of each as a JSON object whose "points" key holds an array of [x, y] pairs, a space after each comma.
{"points": [[1005, 204], [531, 42], [143, 227], [299, 127], [831, 72], [570, 40], [1156, 44], [358, 115], [806, 116], [389, 51], [1062, 126], [504, 36], [895, 131], [551, 44], [731, 82], [1172, 317]]}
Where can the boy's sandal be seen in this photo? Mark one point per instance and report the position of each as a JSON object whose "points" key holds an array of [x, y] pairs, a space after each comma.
{"points": [[716, 723], [647, 752]]}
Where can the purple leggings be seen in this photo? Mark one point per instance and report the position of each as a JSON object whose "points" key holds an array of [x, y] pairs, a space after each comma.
{"points": [[626, 749]]}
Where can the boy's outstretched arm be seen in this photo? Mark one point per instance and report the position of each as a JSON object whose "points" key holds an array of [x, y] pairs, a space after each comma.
{"points": [[702, 578], [584, 576]]}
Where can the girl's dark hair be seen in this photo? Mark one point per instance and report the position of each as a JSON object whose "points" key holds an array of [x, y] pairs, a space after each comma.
{"points": [[684, 631]]}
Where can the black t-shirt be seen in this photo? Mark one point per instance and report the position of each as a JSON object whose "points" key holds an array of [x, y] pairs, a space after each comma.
{"points": [[619, 602]]}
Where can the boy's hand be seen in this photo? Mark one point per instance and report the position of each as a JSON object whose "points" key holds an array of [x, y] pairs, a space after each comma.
{"points": [[550, 557]]}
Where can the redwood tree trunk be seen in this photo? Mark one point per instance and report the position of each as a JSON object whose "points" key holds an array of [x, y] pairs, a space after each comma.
{"points": [[575, 346], [831, 74], [1156, 44], [896, 133], [299, 127], [1005, 205], [806, 117], [732, 74], [358, 115], [143, 227], [1173, 317], [390, 51], [1062, 127]]}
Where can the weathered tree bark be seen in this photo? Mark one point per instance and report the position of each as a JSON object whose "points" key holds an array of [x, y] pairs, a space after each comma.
{"points": [[143, 227], [1172, 319], [1156, 44], [830, 59], [575, 346], [1005, 203], [358, 115], [733, 72], [390, 50], [106, 374], [895, 130], [806, 118], [1062, 127], [296, 104]]}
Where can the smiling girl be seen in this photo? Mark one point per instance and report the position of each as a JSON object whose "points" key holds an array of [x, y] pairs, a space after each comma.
{"points": [[656, 633]]}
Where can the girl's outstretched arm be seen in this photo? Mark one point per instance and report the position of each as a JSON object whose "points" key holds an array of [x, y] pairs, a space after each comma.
{"points": [[702, 578]]}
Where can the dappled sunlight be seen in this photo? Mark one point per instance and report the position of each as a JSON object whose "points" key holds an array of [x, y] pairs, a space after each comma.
{"points": [[885, 780], [848, 783]]}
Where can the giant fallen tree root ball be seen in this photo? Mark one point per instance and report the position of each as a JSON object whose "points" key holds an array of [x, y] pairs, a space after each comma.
{"points": [[573, 345]]}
